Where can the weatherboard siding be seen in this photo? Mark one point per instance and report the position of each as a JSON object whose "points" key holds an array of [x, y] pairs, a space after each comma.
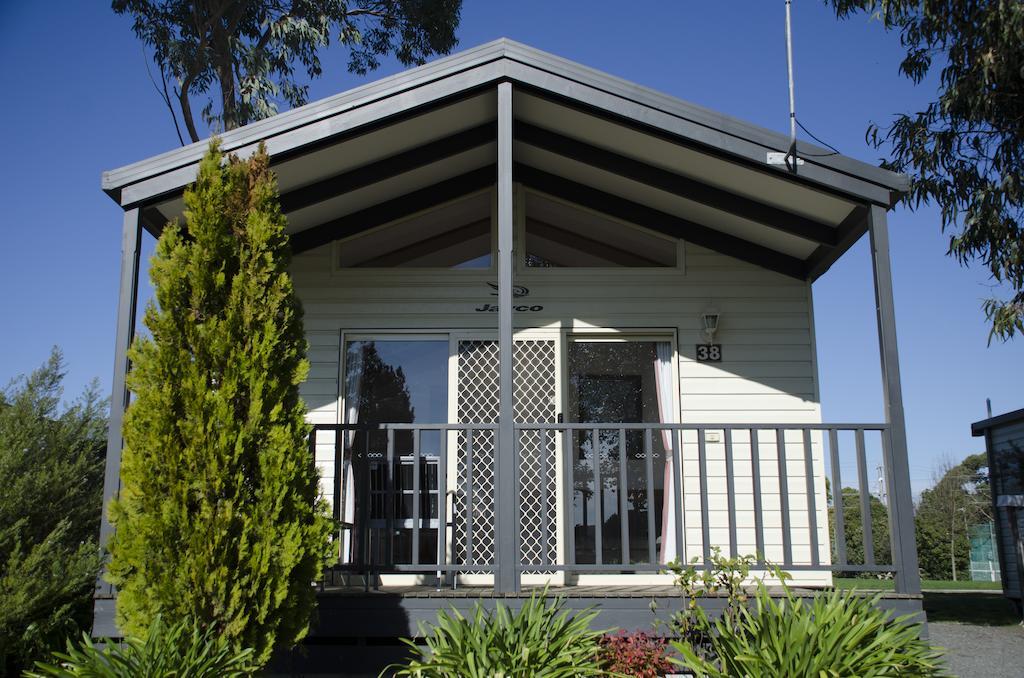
{"points": [[768, 372]]}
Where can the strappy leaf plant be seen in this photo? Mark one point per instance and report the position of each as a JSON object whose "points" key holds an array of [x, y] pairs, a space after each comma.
{"points": [[181, 650], [834, 634], [541, 639]]}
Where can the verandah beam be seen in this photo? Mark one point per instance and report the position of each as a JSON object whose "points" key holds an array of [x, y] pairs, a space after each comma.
{"points": [[901, 504], [506, 579], [127, 304], [677, 184], [849, 231]]}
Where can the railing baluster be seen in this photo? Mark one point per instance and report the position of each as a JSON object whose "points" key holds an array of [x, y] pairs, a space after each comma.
{"points": [[705, 517], [595, 464], [652, 551], [339, 488], [730, 485], [416, 497], [677, 485], [389, 504], [545, 493], [570, 496], [623, 499], [366, 536], [812, 504], [787, 536], [865, 500], [442, 507], [755, 472], [837, 497], [470, 517]]}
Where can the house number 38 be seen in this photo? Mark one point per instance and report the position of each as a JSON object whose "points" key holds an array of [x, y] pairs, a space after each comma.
{"points": [[709, 353]]}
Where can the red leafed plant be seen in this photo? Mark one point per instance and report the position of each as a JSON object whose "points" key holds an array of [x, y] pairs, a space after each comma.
{"points": [[635, 654]]}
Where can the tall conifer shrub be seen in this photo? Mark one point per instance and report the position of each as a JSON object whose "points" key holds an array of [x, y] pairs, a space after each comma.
{"points": [[218, 518]]}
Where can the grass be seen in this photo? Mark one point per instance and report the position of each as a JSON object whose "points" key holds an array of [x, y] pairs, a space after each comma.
{"points": [[871, 584]]}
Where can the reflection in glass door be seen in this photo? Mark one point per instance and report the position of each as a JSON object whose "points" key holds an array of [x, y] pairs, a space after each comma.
{"points": [[392, 380], [612, 382]]}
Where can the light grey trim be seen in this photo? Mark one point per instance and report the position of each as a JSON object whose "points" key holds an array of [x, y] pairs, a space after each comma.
{"points": [[127, 303], [507, 556], [901, 503], [498, 60]]}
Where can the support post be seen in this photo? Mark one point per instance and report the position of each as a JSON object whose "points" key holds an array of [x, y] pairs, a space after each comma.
{"points": [[127, 303], [506, 579], [901, 504]]}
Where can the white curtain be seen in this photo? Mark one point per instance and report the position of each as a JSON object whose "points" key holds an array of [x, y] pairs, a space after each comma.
{"points": [[353, 381], [666, 415]]}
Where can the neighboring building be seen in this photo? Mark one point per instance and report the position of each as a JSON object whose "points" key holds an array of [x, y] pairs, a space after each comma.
{"points": [[638, 267], [1004, 441]]}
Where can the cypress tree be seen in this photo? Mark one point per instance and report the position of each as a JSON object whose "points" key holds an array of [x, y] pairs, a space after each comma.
{"points": [[218, 518]]}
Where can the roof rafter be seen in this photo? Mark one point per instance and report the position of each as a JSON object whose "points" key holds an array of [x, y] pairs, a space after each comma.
{"points": [[656, 220], [676, 184], [394, 209], [391, 166]]}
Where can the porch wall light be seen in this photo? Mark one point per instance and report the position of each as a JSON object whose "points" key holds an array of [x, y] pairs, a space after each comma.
{"points": [[709, 321]]}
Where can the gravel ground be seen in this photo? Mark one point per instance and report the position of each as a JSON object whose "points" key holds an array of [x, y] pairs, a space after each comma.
{"points": [[989, 651]]}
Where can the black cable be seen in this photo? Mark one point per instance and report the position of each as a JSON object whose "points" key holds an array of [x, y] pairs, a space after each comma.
{"points": [[835, 151]]}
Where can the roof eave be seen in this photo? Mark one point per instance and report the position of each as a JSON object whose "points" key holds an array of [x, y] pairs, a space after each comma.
{"points": [[710, 125]]}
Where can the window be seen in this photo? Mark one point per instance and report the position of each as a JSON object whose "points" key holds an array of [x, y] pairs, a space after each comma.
{"points": [[456, 235], [562, 235]]}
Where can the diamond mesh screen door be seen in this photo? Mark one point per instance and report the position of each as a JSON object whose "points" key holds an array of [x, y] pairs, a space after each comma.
{"points": [[535, 401]]}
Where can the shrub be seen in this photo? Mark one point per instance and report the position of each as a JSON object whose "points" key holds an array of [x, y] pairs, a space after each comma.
{"points": [[835, 634], [636, 654], [539, 639], [726, 578], [218, 518], [178, 650], [51, 463]]}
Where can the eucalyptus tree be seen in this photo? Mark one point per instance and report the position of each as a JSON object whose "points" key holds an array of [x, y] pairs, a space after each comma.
{"points": [[964, 150], [253, 53]]}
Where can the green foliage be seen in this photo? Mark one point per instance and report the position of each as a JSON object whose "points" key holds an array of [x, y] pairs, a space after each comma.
{"points": [[218, 518], [51, 462], [965, 150], [249, 49], [960, 498], [538, 640], [853, 528], [178, 650], [833, 635], [726, 578]]}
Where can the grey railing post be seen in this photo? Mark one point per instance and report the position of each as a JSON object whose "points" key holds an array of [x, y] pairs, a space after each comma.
{"points": [[506, 579], [901, 506], [128, 299]]}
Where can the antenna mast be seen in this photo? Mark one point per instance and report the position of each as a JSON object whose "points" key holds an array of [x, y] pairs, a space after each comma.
{"points": [[791, 159]]}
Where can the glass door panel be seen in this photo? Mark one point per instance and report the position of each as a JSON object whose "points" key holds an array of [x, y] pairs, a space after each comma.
{"points": [[612, 382], [390, 381]]}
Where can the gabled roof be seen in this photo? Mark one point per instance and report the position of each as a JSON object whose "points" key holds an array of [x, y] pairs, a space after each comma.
{"points": [[586, 136]]}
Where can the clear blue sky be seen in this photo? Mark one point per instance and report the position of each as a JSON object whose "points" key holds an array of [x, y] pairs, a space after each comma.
{"points": [[79, 101]]}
